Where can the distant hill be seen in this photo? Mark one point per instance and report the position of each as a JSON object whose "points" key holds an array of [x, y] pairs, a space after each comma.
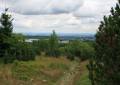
{"points": [[62, 36]]}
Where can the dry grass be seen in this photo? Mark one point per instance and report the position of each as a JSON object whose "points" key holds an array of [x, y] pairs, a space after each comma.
{"points": [[42, 71]]}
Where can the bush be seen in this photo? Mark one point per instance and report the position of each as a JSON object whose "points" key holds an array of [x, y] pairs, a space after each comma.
{"points": [[25, 52], [40, 46], [79, 49]]}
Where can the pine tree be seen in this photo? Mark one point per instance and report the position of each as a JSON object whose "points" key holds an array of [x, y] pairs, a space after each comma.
{"points": [[104, 67], [53, 45], [6, 29]]}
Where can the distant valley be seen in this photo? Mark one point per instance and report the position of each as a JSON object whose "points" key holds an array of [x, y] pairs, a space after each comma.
{"points": [[62, 36]]}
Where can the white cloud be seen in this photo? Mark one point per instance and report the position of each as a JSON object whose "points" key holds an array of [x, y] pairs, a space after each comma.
{"points": [[95, 8], [46, 23], [30, 7], [72, 16]]}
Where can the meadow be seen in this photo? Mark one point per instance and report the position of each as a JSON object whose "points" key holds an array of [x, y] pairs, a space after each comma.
{"points": [[42, 71]]}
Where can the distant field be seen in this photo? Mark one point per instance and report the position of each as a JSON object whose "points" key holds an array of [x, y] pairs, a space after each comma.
{"points": [[42, 71], [63, 37]]}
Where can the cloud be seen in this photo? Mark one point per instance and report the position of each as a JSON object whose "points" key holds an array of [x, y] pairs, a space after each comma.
{"points": [[93, 8], [64, 16], [92, 12], [45, 23], [36, 7]]}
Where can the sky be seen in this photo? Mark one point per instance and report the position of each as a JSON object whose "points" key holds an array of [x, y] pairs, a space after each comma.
{"points": [[63, 16]]}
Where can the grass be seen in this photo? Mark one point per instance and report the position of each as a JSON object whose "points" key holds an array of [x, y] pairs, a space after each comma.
{"points": [[42, 71], [82, 77]]}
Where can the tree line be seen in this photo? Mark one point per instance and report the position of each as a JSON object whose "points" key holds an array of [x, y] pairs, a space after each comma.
{"points": [[71, 50]]}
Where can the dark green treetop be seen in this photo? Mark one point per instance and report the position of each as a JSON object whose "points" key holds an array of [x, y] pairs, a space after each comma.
{"points": [[104, 67]]}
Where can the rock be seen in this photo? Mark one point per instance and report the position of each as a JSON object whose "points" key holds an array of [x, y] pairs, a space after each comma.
{"points": [[44, 81]]}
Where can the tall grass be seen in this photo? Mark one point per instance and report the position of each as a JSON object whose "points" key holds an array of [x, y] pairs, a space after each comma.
{"points": [[42, 71]]}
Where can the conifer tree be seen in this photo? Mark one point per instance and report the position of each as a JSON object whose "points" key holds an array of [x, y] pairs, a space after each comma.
{"points": [[104, 67], [6, 29], [53, 45]]}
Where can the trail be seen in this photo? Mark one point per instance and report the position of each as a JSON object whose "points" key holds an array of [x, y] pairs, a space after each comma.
{"points": [[68, 78]]}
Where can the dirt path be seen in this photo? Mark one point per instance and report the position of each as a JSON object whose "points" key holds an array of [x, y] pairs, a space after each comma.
{"points": [[69, 77]]}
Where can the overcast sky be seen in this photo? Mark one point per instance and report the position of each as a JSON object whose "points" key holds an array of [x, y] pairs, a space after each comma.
{"points": [[63, 16]]}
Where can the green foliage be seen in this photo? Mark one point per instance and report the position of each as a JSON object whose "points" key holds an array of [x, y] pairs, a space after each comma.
{"points": [[87, 50], [62, 51], [6, 28], [104, 67], [72, 50], [13, 46], [53, 45], [26, 52], [40, 46], [79, 49], [58, 65], [23, 71], [22, 50], [83, 80]]}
